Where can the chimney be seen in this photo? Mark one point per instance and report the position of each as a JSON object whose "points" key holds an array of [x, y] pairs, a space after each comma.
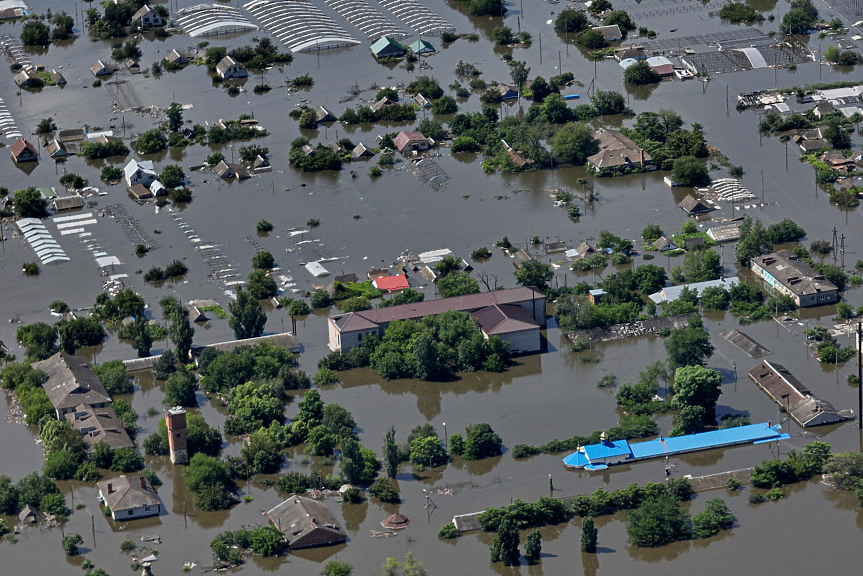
{"points": [[142, 481], [642, 156], [110, 488]]}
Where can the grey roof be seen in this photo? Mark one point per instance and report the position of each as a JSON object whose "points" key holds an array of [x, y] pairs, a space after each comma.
{"points": [[126, 493], [790, 393], [794, 274], [662, 244], [141, 363], [285, 340], [102, 424], [322, 114], [68, 202], [71, 381], [467, 522], [611, 32], [27, 513], [143, 11], [360, 151], [226, 63], [691, 205], [725, 232], [615, 149], [306, 522], [671, 293], [370, 319]]}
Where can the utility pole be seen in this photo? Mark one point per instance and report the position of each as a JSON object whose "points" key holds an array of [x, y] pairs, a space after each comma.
{"points": [[860, 375], [540, 49]]}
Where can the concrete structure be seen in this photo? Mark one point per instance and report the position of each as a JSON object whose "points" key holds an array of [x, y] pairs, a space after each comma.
{"points": [[616, 151], [230, 69], [791, 394], [409, 141], [139, 172], [608, 452], [510, 323], [23, 151], [386, 47], [71, 384], [129, 497], [671, 293], [148, 17], [175, 420], [785, 273], [348, 330], [306, 523]]}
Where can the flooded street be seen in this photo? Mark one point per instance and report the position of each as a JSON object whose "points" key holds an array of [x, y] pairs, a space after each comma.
{"points": [[367, 223]]}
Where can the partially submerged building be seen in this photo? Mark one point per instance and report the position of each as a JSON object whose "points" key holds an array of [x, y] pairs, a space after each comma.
{"points": [[101, 425], [616, 152], [672, 293], [101, 69], [348, 330], [148, 17], [306, 523], [23, 151], [230, 171], [139, 172], [692, 206], [410, 141], [229, 69], [794, 397], [71, 384], [784, 272], [129, 497], [386, 47], [510, 323]]}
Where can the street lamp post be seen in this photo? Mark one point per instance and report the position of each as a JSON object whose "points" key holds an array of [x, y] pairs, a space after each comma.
{"points": [[445, 446]]}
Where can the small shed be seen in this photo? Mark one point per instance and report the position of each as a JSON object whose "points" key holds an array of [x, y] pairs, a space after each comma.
{"points": [[381, 103], [610, 33], [28, 514], [195, 315], [68, 202], [396, 521], [56, 149], [133, 66], [422, 101], [663, 244], [360, 151], [100, 69], [140, 192], [506, 92], [422, 47], [596, 295], [693, 206], [322, 114], [181, 58], [467, 522], [157, 188], [386, 47], [229, 171]]}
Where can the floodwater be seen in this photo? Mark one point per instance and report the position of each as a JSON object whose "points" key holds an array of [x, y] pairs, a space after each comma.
{"points": [[553, 395]]}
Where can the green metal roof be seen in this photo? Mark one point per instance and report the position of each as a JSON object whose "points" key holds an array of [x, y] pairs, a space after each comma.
{"points": [[383, 42], [422, 46]]}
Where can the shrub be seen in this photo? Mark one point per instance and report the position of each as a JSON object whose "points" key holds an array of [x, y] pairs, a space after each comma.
{"points": [[264, 226], [448, 531], [385, 490]]}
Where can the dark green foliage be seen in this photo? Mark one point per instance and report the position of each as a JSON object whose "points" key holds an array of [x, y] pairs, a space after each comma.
{"points": [[29, 203], [254, 405], [569, 21], [630, 427], [80, 333], [796, 467], [262, 453], [457, 284], [444, 105], [688, 171], [94, 150], [70, 544], [641, 73], [592, 39], [263, 260], [534, 273], [481, 442], [391, 456], [525, 514], [715, 517], [39, 338], [533, 546], [427, 86], [209, 479], [740, 12], [337, 568], [504, 548], [407, 296], [589, 534], [247, 317], [385, 490], [448, 531], [180, 389], [127, 460], [658, 521], [165, 365], [35, 33], [697, 386], [485, 8], [689, 346], [151, 142], [263, 362]]}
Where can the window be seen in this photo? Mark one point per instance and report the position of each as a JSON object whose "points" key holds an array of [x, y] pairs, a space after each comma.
{"points": [[131, 513], [146, 509], [360, 337]]}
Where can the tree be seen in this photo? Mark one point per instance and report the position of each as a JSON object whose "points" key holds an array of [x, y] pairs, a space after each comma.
{"points": [[428, 451], [261, 285], [569, 20], [465, 144], [621, 18], [80, 333], [695, 385], [391, 453], [139, 334], [504, 548], [151, 142], [385, 490], [575, 143], [689, 421], [209, 479], [181, 333], [172, 176], [263, 260], [753, 241], [481, 442], [174, 114], [45, 126], [715, 517], [795, 21], [70, 543], [689, 346], [427, 86], [39, 338], [262, 453], [592, 39], [114, 377], [180, 389], [127, 460], [35, 33], [641, 73], [837, 135], [457, 284], [688, 171], [608, 102], [321, 299], [356, 304], [658, 521], [247, 317], [519, 73], [30, 204], [533, 546], [337, 568], [540, 89], [649, 278], [588, 536], [444, 105], [534, 273]]}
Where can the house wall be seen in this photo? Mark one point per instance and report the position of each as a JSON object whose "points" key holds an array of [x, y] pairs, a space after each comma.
{"points": [[803, 301], [318, 537], [139, 512], [522, 341]]}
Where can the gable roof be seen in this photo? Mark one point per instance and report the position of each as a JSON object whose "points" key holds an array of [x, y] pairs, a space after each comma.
{"points": [[611, 32], [504, 319], [391, 283], [306, 522], [791, 394], [421, 47], [405, 137], [386, 44], [71, 381], [615, 149], [143, 11], [102, 424], [795, 274], [68, 202], [322, 114], [126, 493], [691, 205], [226, 63], [135, 165], [20, 145]]}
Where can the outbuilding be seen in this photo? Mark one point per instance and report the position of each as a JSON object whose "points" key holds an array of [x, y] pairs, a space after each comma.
{"points": [[422, 47], [386, 47]]}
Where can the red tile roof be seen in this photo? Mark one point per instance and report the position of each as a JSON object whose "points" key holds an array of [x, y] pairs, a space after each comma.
{"points": [[20, 145], [391, 283]]}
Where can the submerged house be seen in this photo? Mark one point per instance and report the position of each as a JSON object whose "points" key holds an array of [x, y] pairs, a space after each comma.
{"points": [[139, 172], [410, 140], [100, 69], [784, 272], [511, 323], [791, 394], [616, 152], [306, 523], [386, 47], [23, 151], [229, 69], [129, 497], [72, 384], [422, 47], [148, 17], [693, 206]]}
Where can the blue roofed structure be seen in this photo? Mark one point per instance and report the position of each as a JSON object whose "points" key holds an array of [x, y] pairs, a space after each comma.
{"points": [[595, 456]]}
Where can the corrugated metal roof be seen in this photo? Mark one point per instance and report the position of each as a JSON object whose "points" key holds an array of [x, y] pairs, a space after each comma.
{"points": [[607, 449]]}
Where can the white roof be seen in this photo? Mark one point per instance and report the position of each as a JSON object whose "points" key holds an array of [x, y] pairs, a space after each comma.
{"points": [[156, 186], [317, 270], [108, 261], [435, 255], [134, 165], [659, 61], [755, 57], [670, 293], [627, 62]]}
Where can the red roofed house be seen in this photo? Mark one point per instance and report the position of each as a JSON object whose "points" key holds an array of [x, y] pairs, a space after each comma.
{"points": [[664, 70], [391, 283], [348, 330], [409, 141], [23, 151], [511, 323]]}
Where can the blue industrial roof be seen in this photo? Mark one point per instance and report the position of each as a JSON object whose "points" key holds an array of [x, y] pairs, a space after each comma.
{"points": [[607, 449], [704, 440]]}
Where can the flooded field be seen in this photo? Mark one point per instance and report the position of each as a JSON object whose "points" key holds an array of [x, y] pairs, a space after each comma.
{"points": [[366, 223]]}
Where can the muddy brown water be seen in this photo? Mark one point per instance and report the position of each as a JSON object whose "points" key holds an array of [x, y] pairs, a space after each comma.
{"points": [[547, 396]]}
